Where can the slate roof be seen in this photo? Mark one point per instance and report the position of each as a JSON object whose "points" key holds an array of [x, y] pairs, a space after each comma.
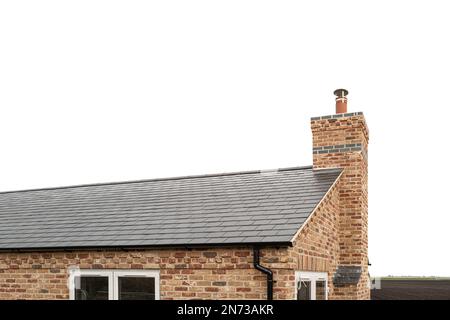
{"points": [[255, 207]]}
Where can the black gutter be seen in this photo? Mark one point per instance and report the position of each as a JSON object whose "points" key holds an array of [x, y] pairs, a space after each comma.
{"points": [[268, 272], [147, 247]]}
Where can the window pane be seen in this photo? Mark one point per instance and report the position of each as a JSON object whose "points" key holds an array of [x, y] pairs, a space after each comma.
{"points": [[304, 290], [320, 290], [91, 288], [136, 288]]}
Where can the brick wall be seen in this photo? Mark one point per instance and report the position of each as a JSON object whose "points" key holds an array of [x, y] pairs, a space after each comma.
{"points": [[184, 274], [316, 247], [342, 141]]}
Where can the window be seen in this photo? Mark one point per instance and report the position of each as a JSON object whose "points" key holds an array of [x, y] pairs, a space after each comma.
{"points": [[114, 285], [311, 285], [91, 288], [135, 286]]}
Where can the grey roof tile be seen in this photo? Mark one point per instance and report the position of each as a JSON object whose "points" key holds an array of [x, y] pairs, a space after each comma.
{"points": [[236, 208]]}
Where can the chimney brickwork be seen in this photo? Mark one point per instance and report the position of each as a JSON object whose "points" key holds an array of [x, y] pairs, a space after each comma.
{"points": [[341, 140]]}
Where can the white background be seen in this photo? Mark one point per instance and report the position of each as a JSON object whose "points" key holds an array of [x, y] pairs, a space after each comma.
{"points": [[98, 91]]}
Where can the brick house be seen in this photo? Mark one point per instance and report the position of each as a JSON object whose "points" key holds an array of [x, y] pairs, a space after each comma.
{"points": [[294, 233]]}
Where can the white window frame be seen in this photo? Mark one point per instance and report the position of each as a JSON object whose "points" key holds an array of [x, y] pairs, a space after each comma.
{"points": [[135, 273], [313, 277], [113, 280]]}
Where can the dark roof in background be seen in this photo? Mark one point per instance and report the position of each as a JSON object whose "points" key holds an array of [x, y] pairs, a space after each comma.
{"points": [[236, 208], [347, 275]]}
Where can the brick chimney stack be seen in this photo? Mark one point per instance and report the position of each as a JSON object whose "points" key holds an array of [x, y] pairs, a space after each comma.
{"points": [[341, 140]]}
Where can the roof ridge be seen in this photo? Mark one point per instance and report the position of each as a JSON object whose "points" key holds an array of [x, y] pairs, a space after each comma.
{"points": [[157, 179]]}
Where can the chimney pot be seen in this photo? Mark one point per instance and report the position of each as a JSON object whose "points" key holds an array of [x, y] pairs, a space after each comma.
{"points": [[341, 100]]}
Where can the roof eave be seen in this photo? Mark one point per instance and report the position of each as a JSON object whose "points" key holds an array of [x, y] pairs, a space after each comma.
{"points": [[150, 247]]}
